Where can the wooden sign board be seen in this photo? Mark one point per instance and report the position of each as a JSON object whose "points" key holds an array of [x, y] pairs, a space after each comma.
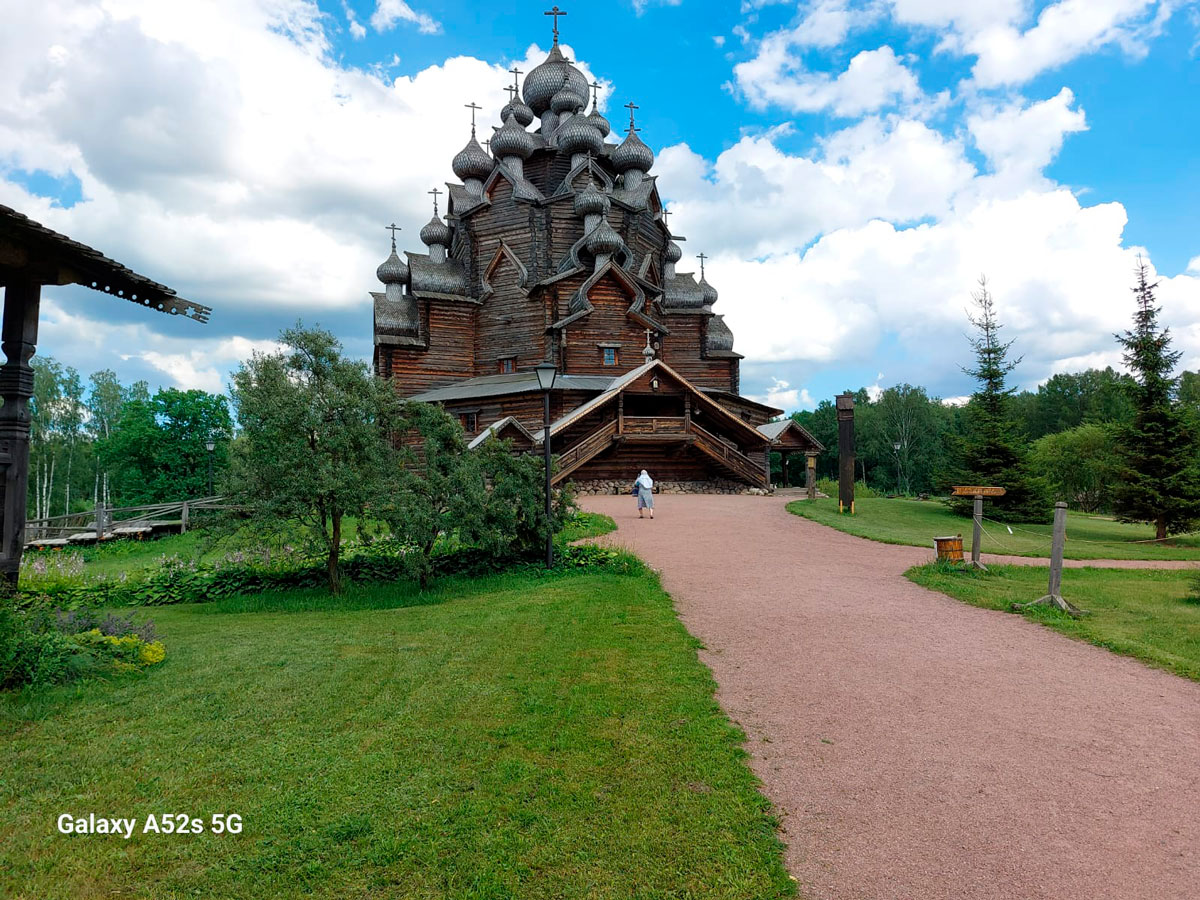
{"points": [[977, 491]]}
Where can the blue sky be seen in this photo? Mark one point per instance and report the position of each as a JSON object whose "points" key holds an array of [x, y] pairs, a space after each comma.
{"points": [[851, 168]]}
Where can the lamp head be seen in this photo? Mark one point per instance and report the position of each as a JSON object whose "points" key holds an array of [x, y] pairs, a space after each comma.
{"points": [[210, 445], [546, 373]]}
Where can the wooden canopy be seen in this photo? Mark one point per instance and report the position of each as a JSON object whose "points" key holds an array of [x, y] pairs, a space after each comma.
{"points": [[32, 255]]}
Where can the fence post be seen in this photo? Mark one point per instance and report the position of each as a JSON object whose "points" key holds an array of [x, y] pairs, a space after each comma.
{"points": [[183, 518], [1054, 596], [1056, 549], [99, 521]]}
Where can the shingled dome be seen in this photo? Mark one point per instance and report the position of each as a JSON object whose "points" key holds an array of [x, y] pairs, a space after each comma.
{"points": [[632, 154], [603, 240], [578, 135], [435, 232], [472, 161], [672, 254], [708, 292], [591, 202], [598, 122], [519, 111], [392, 270], [549, 78], [512, 140]]}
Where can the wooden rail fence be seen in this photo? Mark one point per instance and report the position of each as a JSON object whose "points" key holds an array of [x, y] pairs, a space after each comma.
{"points": [[103, 522]]}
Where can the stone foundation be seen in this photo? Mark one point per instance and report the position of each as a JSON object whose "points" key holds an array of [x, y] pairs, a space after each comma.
{"points": [[715, 486]]}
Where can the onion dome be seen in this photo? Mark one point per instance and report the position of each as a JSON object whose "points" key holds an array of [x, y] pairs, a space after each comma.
{"points": [[435, 232], [566, 100], [633, 154], [546, 80], [672, 254], [579, 136], [512, 139], [603, 240], [518, 110], [598, 122], [472, 161], [708, 292], [392, 270], [591, 202]]}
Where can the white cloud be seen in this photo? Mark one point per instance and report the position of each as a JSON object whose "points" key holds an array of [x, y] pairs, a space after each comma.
{"points": [[389, 12], [719, 40], [874, 79], [1020, 140], [782, 395]]}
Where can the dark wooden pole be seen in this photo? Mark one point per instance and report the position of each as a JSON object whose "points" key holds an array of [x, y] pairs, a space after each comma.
{"points": [[810, 475], [18, 339], [549, 506], [845, 416], [977, 533]]}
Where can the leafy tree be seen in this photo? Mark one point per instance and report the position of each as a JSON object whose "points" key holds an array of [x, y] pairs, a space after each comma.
{"points": [[314, 444], [1069, 400], [992, 451], [1080, 465], [908, 417], [1159, 480]]}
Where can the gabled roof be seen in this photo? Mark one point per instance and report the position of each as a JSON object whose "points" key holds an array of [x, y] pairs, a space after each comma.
{"points": [[776, 430], [512, 383], [48, 257], [619, 384], [580, 304], [495, 430]]}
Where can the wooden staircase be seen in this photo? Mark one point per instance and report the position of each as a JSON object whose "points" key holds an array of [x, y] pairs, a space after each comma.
{"points": [[582, 451], [729, 456]]}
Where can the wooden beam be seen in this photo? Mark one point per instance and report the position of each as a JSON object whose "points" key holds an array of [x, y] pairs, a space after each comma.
{"points": [[18, 339]]}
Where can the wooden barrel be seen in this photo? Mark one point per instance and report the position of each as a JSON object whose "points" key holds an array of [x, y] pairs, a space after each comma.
{"points": [[949, 547]]}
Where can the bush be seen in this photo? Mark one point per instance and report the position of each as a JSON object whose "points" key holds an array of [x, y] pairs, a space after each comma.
{"points": [[862, 491], [40, 646]]}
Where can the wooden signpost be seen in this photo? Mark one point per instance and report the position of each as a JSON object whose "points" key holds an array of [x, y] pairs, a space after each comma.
{"points": [[1053, 596], [978, 492]]}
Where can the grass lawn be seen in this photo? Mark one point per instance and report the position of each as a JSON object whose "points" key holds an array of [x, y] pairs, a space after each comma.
{"points": [[917, 523], [1135, 612], [519, 736]]}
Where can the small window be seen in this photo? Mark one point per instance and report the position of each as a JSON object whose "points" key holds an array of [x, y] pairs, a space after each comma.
{"points": [[468, 422], [507, 365], [610, 355]]}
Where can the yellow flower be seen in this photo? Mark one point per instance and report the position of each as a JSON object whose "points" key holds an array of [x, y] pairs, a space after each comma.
{"points": [[152, 654]]}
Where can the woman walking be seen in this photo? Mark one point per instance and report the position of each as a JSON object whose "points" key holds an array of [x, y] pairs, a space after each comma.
{"points": [[645, 493]]}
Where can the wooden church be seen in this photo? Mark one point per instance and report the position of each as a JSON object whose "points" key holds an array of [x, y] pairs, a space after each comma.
{"points": [[555, 247]]}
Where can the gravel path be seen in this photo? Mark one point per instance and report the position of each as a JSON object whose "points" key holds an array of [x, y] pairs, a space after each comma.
{"points": [[918, 748]]}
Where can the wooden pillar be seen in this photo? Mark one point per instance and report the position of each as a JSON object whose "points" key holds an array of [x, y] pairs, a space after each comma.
{"points": [[18, 339], [977, 533], [183, 518], [810, 475], [1058, 543], [783, 464], [845, 417]]}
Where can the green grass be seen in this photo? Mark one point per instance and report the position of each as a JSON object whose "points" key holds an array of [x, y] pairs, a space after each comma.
{"points": [[1135, 612], [916, 523], [522, 736], [587, 525]]}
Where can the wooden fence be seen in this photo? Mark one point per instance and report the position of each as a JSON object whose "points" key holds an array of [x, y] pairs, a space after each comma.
{"points": [[103, 523]]}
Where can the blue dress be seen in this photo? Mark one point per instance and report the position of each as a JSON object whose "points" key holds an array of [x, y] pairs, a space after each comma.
{"points": [[645, 497]]}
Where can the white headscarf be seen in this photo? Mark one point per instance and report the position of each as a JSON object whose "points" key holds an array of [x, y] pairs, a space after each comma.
{"points": [[644, 480]]}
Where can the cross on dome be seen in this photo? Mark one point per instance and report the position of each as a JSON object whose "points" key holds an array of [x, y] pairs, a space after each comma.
{"points": [[435, 193], [702, 258], [556, 12], [473, 107], [393, 228], [631, 106]]}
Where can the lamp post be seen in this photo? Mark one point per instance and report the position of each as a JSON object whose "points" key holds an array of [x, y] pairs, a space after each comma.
{"points": [[546, 373], [210, 445], [896, 447]]}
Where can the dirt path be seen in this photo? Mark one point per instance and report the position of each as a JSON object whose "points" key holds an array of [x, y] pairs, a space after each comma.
{"points": [[918, 748]]}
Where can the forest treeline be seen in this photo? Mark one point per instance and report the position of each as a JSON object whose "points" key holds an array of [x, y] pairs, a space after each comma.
{"points": [[104, 441]]}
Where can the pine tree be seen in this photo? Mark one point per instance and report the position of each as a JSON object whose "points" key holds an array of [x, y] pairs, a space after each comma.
{"points": [[1159, 481], [993, 453]]}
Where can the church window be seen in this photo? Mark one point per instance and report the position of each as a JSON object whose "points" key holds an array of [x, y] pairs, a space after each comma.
{"points": [[609, 355], [507, 365]]}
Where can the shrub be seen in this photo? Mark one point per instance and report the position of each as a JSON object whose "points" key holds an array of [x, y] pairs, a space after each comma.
{"points": [[862, 491]]}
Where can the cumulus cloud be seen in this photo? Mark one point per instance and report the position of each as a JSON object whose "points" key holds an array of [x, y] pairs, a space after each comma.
{"points": [[874, 79], [389, 12], [782, 395]]}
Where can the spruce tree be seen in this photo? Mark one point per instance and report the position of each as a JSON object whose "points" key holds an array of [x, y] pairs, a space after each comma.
{"points": [[1159, 481], [993, 452]]}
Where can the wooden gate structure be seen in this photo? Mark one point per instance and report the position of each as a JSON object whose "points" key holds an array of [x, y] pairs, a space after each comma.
{"points": [[32, 255]]}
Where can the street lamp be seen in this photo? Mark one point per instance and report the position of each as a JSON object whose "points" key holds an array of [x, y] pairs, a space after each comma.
{"points": [[210, 445], [896, 447], [546, 373]]}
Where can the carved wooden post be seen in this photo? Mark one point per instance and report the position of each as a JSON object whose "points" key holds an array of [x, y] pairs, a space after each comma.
{"points": [[845, 416], [810, 475], [18, 338]]}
